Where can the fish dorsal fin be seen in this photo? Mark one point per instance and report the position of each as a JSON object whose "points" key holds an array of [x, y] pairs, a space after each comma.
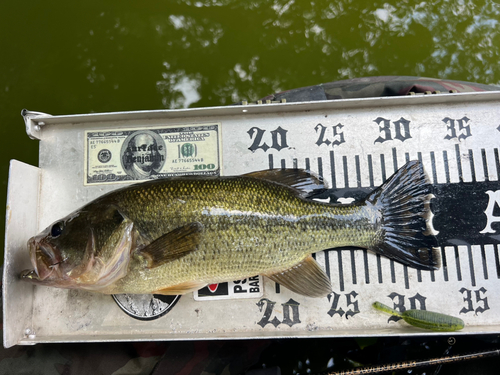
{"points": [[305, 182], [172, 245], [306, 278], [183, 288]]}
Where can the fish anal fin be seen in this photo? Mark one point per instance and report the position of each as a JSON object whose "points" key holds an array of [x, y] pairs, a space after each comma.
{"points": [[182, 288], [305, 278], [173, 245], [304, 182]]}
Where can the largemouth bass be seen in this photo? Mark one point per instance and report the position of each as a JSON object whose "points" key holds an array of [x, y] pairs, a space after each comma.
{"points": [[177, 235]]}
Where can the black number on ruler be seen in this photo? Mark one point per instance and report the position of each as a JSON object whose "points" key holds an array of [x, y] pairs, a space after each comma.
{"points": [[350, 300], [290, 306], [479, 300], [400, 304], [463, 128], [294, 307], [401, 129], [278, 138], [338, 135]]}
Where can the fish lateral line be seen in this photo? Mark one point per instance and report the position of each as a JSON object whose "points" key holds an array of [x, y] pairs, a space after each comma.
{"points": [[184, 230]]}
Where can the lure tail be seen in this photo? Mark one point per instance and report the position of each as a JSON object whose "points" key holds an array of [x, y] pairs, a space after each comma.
{"points": [[405, 230]]}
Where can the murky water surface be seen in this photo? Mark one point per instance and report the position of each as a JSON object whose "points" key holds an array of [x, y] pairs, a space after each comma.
{"points": [[64, 57], [94, 56]]}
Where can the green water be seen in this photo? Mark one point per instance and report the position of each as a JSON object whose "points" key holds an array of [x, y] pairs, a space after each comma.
{"points": [[63, 57]]}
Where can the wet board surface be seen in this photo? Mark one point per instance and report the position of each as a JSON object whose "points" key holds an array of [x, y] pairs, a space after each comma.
{"points": [[354, 145]]}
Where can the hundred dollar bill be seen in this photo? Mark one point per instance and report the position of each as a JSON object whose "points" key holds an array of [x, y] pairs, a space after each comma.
{"points": [[113, 156]]}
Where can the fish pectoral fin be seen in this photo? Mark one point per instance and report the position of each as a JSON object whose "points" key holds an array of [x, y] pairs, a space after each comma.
{"points": [[306, 278], [183, 288], [305, 183], [172, 245]]}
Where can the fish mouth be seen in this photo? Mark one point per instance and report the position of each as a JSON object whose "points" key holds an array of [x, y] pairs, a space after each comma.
{"points": [[44, 259], [30, 275]]}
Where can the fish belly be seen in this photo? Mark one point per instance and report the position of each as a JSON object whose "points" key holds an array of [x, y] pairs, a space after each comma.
{"points": [[222, 256]]}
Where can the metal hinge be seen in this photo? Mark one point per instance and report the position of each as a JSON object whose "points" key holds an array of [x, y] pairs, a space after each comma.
{"points": [[33, 122]]}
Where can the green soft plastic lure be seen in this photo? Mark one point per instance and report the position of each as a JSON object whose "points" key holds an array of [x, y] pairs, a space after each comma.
{"points": [[425, 319]]}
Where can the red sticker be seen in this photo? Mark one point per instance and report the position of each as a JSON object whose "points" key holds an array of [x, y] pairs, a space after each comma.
{"points": [[213, 287]]}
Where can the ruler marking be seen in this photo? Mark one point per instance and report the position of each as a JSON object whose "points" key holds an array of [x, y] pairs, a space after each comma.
{"points": [[332, 169], [485, 264], [497, 261], [393, 272], [472, 166], [433, 275], [283, 164], [485, 165], [327, 264], [444, 264], [370, 171], [419, 157], [308, 165], [457, 260], [407, 280], [395, 159], [489, 252], [419, 276], [358, 171], [346, 172], [295, 163], [471, 266], [382, 167], [459, 163], [379, 268], [353, 267], [407, 157], [320, 167], [497, 162], [434, 171], [446, 166], [367, 272], [271, 161], [341, 270]]}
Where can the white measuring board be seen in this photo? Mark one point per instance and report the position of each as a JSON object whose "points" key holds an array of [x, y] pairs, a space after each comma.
{"points": [[354, 153], [354, 145]]}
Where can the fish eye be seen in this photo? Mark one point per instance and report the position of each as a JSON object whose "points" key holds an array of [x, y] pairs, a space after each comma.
{"points": [[57, 229]]}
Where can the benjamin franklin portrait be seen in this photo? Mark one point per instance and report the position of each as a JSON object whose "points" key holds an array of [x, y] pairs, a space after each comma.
{"points": [[143, 154]]}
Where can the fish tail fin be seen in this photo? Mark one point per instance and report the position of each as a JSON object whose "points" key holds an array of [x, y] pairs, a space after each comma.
{"points": [[405, 219]]}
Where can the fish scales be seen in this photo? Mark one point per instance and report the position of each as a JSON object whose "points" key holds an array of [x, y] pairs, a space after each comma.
{"points": [[177, 235], [249, 226]]}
